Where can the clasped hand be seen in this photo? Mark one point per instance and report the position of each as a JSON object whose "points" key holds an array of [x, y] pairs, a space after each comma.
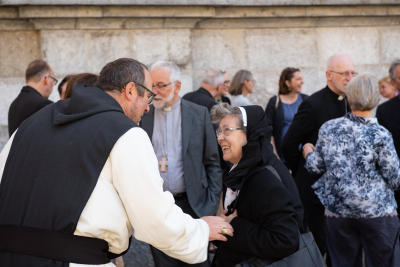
{"points": [[217, 223]]}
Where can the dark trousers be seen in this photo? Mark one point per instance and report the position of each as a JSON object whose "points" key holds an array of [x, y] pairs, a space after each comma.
{"points": [[379, 237], [162, 260], [314, 218]]}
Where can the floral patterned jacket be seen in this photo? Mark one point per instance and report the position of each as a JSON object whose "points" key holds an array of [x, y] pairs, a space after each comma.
{"points": [[360, 165]]}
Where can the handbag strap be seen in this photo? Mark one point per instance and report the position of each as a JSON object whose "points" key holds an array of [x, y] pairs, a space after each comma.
{"points": [[276, 103]]}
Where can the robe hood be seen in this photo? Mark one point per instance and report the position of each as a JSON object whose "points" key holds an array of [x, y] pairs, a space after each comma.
{"points": [[258, 150], [84, 102]]}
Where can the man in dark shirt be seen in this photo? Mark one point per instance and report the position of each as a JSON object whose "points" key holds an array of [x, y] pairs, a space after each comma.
{"points": [[211, 86], [34, 96], [326, 104], [388, 115]]}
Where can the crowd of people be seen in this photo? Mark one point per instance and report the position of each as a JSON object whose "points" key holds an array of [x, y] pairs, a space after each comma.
{"points": [[178, 172]]}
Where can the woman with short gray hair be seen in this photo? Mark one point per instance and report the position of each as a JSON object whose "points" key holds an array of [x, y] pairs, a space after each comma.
{"points": [[361, 170], [242, 84]]}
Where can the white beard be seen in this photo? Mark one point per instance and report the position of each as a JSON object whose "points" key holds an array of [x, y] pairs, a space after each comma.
{"points": [[165, 101]]}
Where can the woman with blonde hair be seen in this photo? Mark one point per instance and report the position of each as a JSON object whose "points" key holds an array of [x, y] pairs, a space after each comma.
{"points": [[242, 84]]}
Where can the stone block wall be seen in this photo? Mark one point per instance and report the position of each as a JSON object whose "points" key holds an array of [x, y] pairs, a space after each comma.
{"points": [[261, 37]]}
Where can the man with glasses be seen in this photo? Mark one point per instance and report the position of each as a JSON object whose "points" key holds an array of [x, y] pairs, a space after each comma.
{"points": [[222, 98], [184, 142], [34, 96], [80, 177], [326, 104]]}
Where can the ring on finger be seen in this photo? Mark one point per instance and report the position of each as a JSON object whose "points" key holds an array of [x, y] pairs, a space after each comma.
{"points": [[224, 231]]}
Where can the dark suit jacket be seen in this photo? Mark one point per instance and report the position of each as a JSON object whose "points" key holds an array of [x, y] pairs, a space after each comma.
{"points": [[388, 115], [201, 168], [275, 118], [201, 97], [312, 113], [266, 226], [28, 102]]}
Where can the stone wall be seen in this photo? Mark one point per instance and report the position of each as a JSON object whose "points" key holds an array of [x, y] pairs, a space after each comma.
{"points": [[261, 37]]}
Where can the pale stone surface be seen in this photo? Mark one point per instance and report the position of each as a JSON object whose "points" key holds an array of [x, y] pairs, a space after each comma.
{"points": [[234, 12], [57, 12], [56, 24], [15, 25], [149, 11], [276, 48], [9, 89], [226, 51], [106, 46], [390, 41], [361, 44], [65, 51], [17, 49], [196, 2], [164, 45], [8, 12], [320, 11]]}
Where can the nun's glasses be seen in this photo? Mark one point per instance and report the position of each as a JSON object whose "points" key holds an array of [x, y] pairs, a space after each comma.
{"points": [[226, 131]]}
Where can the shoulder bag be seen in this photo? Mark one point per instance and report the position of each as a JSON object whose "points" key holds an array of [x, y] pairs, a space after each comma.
{"points": [[307, 254]]}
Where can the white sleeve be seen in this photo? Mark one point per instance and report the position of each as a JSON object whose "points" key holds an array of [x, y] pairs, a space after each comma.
{"points": [[154, 216], [4, 154]]}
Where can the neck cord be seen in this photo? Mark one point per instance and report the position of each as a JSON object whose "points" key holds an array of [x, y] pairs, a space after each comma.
{"points": [[173, 137]]}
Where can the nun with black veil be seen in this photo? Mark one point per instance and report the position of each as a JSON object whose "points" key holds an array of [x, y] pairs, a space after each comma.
{"points": [[265, 213]]}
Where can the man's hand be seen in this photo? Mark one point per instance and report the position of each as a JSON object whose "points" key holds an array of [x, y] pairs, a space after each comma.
{"points": [[229, 218], [216, 224]]}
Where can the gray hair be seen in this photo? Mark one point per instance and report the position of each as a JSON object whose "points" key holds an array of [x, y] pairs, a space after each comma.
{"points": [[238, 80], [213, 77], [391, 69], [218, 112], [175, 75], [363, 92], [117, 74]]}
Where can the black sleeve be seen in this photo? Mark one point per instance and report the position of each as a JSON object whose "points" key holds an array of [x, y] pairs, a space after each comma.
{"points": [[303, 125], [275, 233], [379, 116], [270, 111]]}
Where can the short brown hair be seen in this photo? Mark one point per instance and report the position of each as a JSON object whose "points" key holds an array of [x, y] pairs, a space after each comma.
{"points": [[88, 79], [286, 75], [238, 80], [36, 69], [117, 74]]}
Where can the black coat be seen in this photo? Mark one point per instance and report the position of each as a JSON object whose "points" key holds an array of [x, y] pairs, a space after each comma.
{"points": [[275, 118], [201, 97], [388, 115], [312, 113], [266, 226], [28, 102]]}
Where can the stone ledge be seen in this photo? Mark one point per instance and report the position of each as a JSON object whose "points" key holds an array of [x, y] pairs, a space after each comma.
{"points": [[199, 2], [196, 11], [195, 23]]}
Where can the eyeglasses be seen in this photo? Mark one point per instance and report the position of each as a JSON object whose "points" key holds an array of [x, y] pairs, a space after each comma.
{"points": [[55, 80], [346, 74], [226, 83], [227, 131], [148, 90], [160, 87]]}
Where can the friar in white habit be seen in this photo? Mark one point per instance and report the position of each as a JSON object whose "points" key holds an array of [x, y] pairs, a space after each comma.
{"points": [[79, 177]]}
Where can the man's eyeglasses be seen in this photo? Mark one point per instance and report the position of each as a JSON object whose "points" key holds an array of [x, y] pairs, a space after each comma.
{"points": [[151, 97], [55, 80], [160, 87], [346, 74], [226, 131]]}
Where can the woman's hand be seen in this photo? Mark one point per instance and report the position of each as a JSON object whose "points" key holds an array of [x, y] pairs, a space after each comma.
{"points": [[229, 218], [308, 148]]}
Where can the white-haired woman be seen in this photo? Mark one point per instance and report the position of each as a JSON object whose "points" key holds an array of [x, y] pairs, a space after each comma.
{"points": [[361, 169], [242, 84]]}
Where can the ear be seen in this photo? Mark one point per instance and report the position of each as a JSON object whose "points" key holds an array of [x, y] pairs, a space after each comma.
{"points": [[328, 75], [130, 91], [46, 79], [287, 84], [177, 88]]}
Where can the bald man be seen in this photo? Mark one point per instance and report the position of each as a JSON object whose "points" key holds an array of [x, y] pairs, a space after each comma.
{"points": [[327, 104]]}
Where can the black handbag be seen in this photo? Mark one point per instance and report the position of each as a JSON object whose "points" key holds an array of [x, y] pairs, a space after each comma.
{"points": [[307, 255]]}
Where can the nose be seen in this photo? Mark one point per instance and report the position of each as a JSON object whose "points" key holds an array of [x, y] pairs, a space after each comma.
{"points": [[147, 109], [220, 137], [154, 89]]}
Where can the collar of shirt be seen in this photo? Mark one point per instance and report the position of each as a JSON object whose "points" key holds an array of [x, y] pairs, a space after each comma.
{"points": [[362, 120]]}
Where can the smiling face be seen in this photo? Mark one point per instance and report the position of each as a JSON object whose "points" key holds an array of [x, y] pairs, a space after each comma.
{"points": [[296, 82], [166, 95], [231, 144], [387, 90]]}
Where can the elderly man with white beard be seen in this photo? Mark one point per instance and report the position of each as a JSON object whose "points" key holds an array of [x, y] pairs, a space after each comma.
{"points": [[185, 145]]}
